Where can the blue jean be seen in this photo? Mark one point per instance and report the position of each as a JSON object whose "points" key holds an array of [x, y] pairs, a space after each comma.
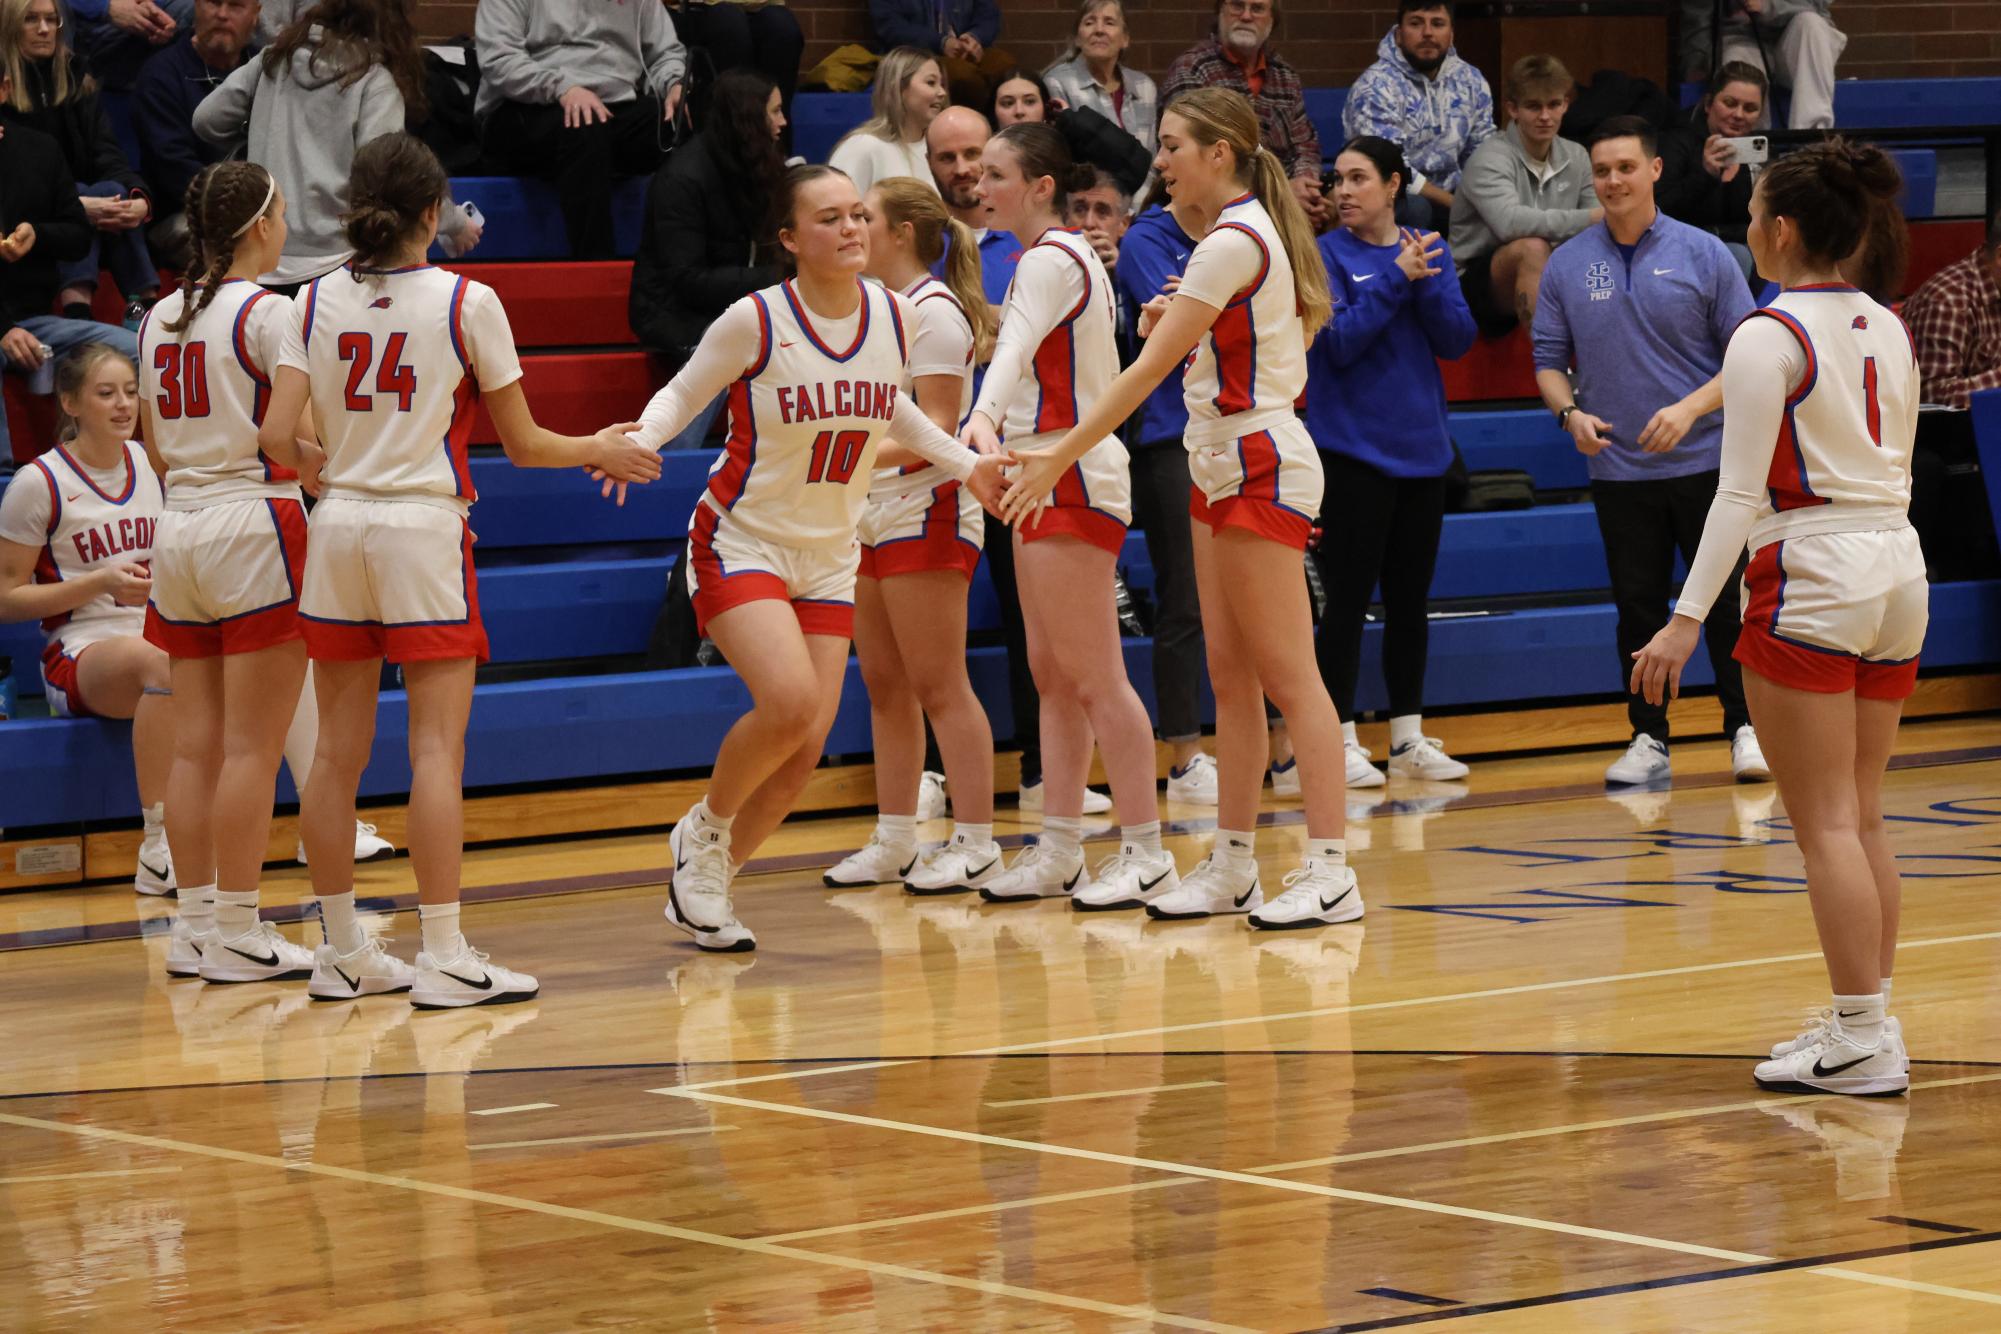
{"points": [[696, 433], [124, 253], [65, 337]]}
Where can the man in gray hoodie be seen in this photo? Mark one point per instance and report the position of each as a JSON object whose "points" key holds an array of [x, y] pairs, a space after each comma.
{"points": [[1524, 192], [577, 91], [1422, 97], [1794, 41]]}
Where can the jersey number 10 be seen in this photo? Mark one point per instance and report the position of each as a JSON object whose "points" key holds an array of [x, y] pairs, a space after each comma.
{"points": [[835, 454], [392, 377]]}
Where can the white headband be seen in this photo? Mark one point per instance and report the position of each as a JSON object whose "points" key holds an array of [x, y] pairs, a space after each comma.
{"points": [[269, 192]]}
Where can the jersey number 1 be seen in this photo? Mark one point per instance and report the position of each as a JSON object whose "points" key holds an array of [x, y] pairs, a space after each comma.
{"points": [[835, 454], [1871, 406], [392, 377], [183, 370]]}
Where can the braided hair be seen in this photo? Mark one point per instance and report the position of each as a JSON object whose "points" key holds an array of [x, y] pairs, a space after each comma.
{"points": [[223, 200]]}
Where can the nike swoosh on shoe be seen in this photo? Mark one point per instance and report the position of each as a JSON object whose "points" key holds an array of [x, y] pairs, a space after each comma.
{"points": [[352, 985], [1071, 883], [1245, 897], [1823, 1071], [972, 875], [158, 873], [1145, 885], [1325, 906], [270, 962], [484, 984]]}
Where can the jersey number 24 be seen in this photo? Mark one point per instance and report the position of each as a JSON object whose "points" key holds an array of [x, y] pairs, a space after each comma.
{"points": [[392, 377]]}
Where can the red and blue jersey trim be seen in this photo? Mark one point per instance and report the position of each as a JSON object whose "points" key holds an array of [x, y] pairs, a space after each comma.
{"points": [[1786, 481], [813, 335], [46, 569], [1234, 337], [1055, 361], [730, 478], [312, 307], [458, 327], [131, 477]]}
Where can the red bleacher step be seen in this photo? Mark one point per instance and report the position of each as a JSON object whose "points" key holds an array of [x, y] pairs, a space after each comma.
{"points": [[563, 303], [577, 393]]}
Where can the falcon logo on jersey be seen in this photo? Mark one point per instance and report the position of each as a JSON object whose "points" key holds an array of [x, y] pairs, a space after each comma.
{"points": [[871, 399], [380, 303], [1861, 322], [104, 542]]}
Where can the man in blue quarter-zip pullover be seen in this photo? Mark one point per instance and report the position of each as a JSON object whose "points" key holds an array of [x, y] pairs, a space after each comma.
{"points": [[1643, 307]]}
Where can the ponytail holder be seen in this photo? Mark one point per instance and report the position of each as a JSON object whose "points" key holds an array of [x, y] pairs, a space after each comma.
{"points": [[269, 191]]}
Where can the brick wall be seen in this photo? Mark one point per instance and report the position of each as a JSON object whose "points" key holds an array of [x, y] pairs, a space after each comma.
{"points": [[1331, 41]]}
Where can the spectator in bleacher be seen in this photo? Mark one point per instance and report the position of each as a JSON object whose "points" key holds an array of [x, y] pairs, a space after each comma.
{"points": [[1239, 55], [113, 38], [1422, 97], [1955, 321], [1154, 251], [1525, 191], [1020, 98], [1101, 213], [42, 227], [703, 245], [171, 85], [960, 33], [1397, 312], [342, 73], [578, 92], [762, 35], [954, 144], [1702, 183], [909, 93], [53, 94], [1090, 75], [1643, 307], [1794, 41]]}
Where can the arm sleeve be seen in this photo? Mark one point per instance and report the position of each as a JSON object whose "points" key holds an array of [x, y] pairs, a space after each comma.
{"points": [[1940, 325], [1730, 297], [272, 320], [1371, 108], [731, 346], [1181, 78], [1549, 334], [986, 22], [1227, 261], [500, 34], [1482, 127], [902, 25], [1047, 286], [381, 107], [666, 57], [1305, 139], [942, 341], [292, 337], [919, 434], [223, 118], [24, 510], [1145, 263], [1762, 365], [489, 339]]}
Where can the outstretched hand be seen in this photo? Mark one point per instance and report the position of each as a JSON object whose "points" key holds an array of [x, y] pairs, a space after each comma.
{"points": [[979, 436], [618, 459], [1657, 667], [986, 484], [1041, 470]]}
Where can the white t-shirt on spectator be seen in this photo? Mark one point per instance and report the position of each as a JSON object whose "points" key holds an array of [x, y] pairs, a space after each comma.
{"points": [[867, 159]]}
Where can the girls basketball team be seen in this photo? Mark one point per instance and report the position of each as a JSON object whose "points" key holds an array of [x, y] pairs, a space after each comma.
{"points": [[841, 507]]}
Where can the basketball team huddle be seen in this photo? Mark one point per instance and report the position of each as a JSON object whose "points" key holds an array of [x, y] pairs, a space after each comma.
{"points": [[846, 507]]}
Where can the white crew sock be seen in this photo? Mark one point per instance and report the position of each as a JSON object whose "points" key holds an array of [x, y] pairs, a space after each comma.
{"points": [[198, 907], [1145, 837], [972, 835], [338, 923], [898, 831], [702, 815], [1331, 850], [155, 817], [440, 924], [1064, 834], [1409, 727], [1861, 1017], [236, 914], [1348, 733], [1235, 847]]}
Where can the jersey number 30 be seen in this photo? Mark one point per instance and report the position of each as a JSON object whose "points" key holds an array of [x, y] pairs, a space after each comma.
{"points": [[835, 454], [392, 377], [183, 370]]}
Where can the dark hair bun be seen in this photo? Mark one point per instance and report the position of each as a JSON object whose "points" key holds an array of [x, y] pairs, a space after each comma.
{"points": [[1875, 171], [373, 228]]}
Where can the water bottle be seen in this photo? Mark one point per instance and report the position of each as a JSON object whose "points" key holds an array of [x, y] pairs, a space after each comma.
{"points": [[42, 380], [7, 694]]}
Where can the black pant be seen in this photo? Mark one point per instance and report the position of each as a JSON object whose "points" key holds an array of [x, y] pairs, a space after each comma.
{"points": [[583, 162], [766, 39], [1643, 525], [1160, 506], [1376, 529], [1026, 703]]}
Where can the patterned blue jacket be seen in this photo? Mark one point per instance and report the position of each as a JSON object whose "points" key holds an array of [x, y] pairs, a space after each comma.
{"points": [[1438, 122]]}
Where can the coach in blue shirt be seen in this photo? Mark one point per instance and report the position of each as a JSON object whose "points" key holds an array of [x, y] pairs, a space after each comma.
{"points": [[1644, 306]]}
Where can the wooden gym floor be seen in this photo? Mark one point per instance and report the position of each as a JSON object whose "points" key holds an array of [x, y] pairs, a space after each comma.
{"points": [[1516, 1097]]}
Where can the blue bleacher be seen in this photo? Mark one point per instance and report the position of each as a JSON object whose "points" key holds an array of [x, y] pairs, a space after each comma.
{"points": [[1323, 108], [1861, 104], [820, 119], [524, 218]]}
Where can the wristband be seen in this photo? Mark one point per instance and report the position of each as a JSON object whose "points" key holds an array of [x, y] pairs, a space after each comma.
{"points": [[1418, 180], [1563, 415]]}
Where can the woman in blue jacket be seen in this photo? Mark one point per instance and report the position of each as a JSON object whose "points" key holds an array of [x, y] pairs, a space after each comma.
{"points": [[1375, 405]]}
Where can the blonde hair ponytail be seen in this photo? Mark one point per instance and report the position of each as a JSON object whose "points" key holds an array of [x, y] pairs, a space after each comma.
{"points": [[910, 202], [1222, 115]]}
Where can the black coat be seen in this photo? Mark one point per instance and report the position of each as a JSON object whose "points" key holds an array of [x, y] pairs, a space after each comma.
{"points": [[35, 188], [79, 126], [1688, 193], [697, 252]]}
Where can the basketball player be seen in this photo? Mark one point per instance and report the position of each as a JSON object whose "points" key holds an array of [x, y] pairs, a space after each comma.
{"points": [[1254, 292], [394, 355], [76, 536], [920, 538], [814, 370], [227, 562], [1055, 355], [1820, 406]]}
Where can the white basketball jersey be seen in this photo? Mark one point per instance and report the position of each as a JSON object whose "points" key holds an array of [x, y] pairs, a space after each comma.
{"points": [[1078, 358], [941, 341], [1846, 437], [397, 360], [207, 388], [805, 420], [1249, 370], [88, 528]]}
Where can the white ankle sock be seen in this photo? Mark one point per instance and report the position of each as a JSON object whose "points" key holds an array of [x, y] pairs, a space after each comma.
{"points": [[702, 815], [1237, 847], [440, 924], [972, 835], [198, 907], [1348, 732], [155, 817], [236, 914], [899, 831], [1409, 727], [339, 924], [1333, 850], [1064, 834], [1145, 837], [1861, 1017]]}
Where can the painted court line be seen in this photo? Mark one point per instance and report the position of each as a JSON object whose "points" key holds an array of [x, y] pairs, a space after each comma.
{"points": [[1910, 1285], [89, 1176], [791, 1074], [517, 1107], [1108, 1093], [596, 1139], [971, 1210], [749, 1246]]}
